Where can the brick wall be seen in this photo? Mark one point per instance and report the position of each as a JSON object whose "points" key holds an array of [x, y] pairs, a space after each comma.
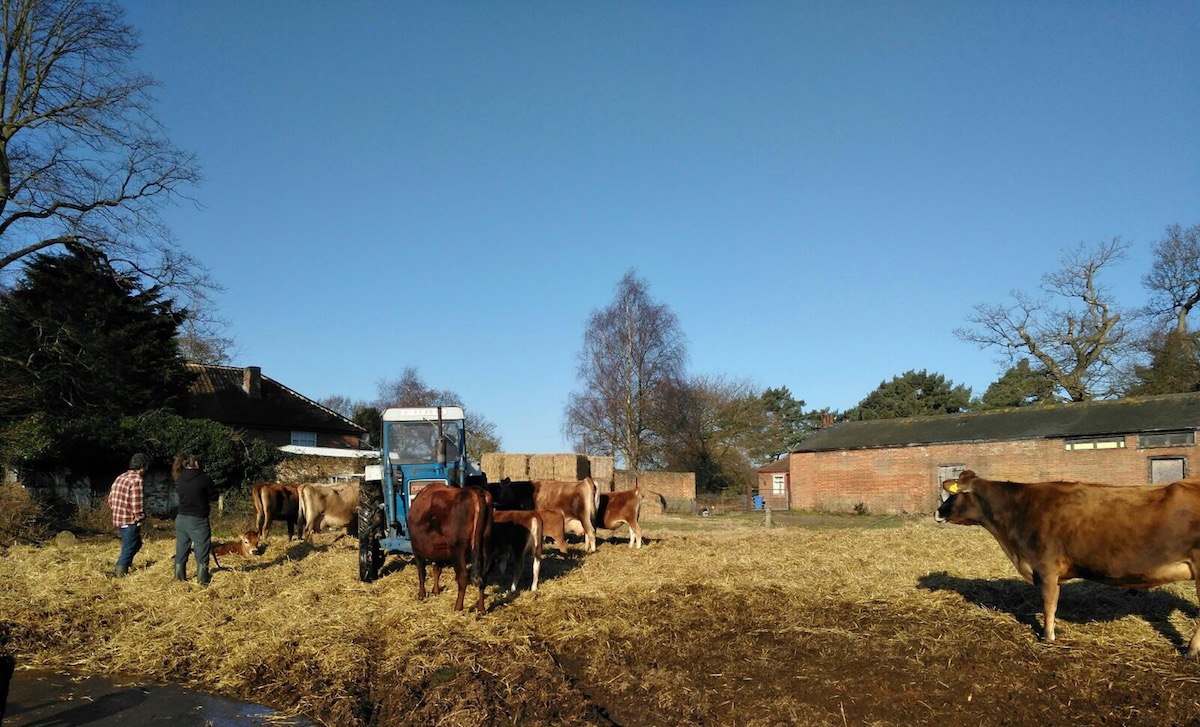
{"points": [[904, 479]]}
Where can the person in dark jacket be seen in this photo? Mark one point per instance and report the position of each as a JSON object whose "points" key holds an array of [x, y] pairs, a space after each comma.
{"points": [[192, 530]]}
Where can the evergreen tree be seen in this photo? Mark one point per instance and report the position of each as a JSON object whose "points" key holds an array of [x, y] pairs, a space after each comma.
{"points": [[914, 393], [86, 343], [1174, 366], [1021, 385]]}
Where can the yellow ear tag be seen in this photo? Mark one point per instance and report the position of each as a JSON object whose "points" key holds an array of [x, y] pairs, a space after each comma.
{"points": [[952, 488]]}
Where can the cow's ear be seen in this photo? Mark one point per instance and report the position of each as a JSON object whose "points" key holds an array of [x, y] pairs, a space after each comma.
{"points": [[955, 487]]}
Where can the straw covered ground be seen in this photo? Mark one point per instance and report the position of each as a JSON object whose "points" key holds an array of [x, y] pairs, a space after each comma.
{"points": [[718, 621]]}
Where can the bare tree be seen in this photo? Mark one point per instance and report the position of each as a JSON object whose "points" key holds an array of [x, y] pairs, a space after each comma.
{"points": [[83, 160], [1081, 343], [633, 350], [410, 390], [1174, 277]]}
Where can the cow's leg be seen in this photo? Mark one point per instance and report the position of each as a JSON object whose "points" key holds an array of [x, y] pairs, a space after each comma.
{"points": [[537, 569], [518, 555], [460, 579], [421, 579], [1049, 586], [437, 578], [589, 536], [1194, 645]]}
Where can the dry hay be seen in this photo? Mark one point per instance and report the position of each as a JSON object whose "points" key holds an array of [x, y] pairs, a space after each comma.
{"points": [[717, 621], [562, 467]]}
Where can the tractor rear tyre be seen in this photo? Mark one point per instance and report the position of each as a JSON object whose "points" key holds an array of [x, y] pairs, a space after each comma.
{"points": [[370, 530]]}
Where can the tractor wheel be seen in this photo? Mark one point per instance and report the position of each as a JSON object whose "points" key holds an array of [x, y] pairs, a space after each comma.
{"points": [[370, 530]]}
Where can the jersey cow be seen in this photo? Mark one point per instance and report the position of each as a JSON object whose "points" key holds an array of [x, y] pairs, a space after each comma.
{"points": [[275, 501], [451, 525], [621, 507], [328, 506], [573, 500], [515, 533], [1133, 537]]}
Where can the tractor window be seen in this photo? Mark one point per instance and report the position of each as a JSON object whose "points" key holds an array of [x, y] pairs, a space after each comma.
{"points": [[416, 442]]}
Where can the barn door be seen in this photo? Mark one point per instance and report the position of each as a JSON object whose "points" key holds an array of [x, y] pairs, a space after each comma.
{"points": [[946, 472], [1167, 469]]}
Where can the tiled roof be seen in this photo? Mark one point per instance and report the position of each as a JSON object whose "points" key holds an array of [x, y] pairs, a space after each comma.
{"points": [[217, 394], [1081, 419], [779, 465]]}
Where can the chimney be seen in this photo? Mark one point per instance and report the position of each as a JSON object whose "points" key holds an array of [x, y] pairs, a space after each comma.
{"points": [[252, 381]]}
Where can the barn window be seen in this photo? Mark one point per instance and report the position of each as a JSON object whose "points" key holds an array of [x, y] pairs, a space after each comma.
{"points": [[304, 439], [1167, 439], [1167, 469], [778, 483], [1094, 443]]}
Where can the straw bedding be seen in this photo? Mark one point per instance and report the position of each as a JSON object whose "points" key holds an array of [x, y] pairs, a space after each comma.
{"points": [[718, 621]]}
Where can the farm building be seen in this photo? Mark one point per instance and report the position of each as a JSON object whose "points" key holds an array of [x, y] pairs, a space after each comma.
{"points": [[897, 465], [245, 399]]}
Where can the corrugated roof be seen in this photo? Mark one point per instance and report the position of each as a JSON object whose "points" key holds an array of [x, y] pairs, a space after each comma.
{"points": [[217, 394], [1080, 419]]}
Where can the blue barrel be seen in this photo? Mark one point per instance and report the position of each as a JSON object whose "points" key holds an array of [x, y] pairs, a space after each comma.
{"points": [[758, 502]]}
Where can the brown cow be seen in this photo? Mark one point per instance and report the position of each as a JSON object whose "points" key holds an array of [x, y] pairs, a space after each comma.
{"points": [[451, 525], [333, 506], [515, 533], [521, 495], [1133, 537], [621, 507], [275, 501], [575, 501]]}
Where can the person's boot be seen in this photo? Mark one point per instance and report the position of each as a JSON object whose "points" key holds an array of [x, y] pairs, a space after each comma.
{"points": [[181, 571], [122, 570], [202, 574]]}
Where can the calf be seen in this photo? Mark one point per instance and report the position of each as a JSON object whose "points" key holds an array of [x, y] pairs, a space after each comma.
{"points": [[515, 533], [275, 501], [246, 546], [451, 525], [1133, 537], [621, 507], [575, 501], [334, 506]]}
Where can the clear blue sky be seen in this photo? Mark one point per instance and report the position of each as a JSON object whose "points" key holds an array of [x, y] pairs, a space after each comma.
{"points": [[821, 192]]}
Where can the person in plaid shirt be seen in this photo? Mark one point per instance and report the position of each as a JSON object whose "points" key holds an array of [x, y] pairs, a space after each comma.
{"points": [[126, 499]]}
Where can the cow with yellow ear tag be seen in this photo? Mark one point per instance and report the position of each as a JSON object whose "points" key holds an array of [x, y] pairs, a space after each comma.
{"points": [[1126, 536]]}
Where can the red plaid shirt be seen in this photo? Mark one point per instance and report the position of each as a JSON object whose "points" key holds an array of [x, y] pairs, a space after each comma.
{"points": [[126, 499]]}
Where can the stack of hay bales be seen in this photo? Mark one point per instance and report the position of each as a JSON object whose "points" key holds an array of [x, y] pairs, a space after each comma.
{"points": [[563, 467], [498, 465]]}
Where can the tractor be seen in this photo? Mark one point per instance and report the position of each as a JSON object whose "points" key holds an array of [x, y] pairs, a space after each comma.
{"points": [[420, 447]]}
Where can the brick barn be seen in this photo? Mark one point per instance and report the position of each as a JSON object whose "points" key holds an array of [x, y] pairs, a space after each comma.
{"points": [[897, 465]]}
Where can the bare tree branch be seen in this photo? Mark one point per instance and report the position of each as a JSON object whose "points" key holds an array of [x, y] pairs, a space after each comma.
{"points": [[1082, 343], [83, 159]]}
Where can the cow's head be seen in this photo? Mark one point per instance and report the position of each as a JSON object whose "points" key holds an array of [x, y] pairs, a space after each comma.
{"points": [[959, 504], [250, 543]]}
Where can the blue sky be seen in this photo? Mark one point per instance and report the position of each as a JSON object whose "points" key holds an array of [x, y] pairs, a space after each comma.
{"points": [[821, 192]]}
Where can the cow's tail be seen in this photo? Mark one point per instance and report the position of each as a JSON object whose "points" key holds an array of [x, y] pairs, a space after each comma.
{"points": [[481, 530], [301, 518]]}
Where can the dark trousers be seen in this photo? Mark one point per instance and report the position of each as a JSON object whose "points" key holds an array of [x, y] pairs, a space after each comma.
{"points": [[192, 532], [131, 543]]}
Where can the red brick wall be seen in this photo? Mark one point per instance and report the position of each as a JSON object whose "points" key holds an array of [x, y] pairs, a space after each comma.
{"points": [[904, 479]]}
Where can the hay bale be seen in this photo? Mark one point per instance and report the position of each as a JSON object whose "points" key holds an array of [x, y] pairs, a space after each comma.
{"points": [[492, 464], [602, 470], [562, 467]]}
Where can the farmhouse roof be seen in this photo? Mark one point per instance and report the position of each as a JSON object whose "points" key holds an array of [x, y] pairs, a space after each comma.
{"points": [[245, 398], [779, 465], [1078, 419]]}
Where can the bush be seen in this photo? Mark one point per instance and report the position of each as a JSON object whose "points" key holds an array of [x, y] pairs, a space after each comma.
{"points": [[20, 516]]}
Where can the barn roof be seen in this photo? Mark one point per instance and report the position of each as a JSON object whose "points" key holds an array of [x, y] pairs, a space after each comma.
{"points": [[1079, 419], [220, 393]]}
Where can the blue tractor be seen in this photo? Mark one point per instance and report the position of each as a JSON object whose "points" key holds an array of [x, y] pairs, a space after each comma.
{"points": [[421, 446]]}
